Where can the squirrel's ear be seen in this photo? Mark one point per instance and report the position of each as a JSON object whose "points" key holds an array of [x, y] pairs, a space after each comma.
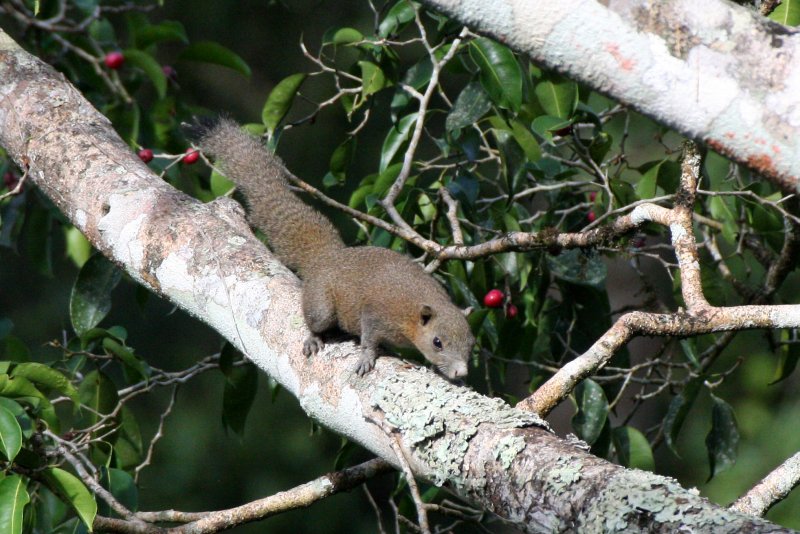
{"points": [[425, 314]]}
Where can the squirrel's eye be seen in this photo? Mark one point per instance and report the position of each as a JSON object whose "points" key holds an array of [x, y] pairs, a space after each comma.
{"points": [[437, 343]]}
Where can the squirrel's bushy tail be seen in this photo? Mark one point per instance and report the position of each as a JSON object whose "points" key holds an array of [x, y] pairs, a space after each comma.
{"points": [[298, 234]]}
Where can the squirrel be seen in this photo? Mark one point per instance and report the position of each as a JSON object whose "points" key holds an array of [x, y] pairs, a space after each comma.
{"points": [[378, 294]]}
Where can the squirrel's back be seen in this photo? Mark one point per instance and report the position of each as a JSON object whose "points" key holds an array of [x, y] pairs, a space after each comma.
{"points": [[299, 235]]}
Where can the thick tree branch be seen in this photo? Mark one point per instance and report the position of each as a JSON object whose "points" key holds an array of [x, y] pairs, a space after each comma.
{"points": [[204, 258], [712, 70]]}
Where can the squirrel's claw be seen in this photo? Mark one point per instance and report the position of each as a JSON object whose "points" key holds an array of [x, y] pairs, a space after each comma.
{"points": [[312, 345]]}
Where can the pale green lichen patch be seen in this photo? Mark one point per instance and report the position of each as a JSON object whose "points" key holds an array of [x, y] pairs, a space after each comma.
{"points": [[632, 495], [566, 472], [507, 448], [438, 419]]}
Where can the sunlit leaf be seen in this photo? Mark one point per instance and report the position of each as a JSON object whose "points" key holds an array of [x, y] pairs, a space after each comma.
{"points": [[472, 104], [557, 95], [787, 13], [398, 16], [397, 135], [633, 448], [150, 67], [500, 73], [46, 376], [280, 100], [72, 490], [10, 435], [13, 498]]}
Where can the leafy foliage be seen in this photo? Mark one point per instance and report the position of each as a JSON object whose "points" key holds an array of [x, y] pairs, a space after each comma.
{"points": [[477, 143]]}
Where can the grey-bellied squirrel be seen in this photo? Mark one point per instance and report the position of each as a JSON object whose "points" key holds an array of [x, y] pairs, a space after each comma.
{"points": [[375, 293]]}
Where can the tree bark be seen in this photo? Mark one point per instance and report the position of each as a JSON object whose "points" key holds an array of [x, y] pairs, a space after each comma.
{"points": [[204, 258], [713, 70]]}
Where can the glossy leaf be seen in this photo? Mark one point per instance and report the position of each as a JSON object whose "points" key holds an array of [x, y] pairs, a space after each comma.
{"points": [[341, 159], [44, 375], [10, 435], [372, 78], [723, 438], [280, 100], [90, 301], [526, 140], [211, 52], [13, 498], [678, 410], [787, 13], [500, 73], [577, 267], [342, 36], [557, 95], [633, 448], [472, 104], [150, 67], [397, 135], [72, 490], [592, 412], [398, 16]]}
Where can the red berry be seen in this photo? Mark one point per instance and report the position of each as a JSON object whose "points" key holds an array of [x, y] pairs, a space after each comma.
{"points": [[591, 216], [192, 155], [146, 155], [592, 196], [639, 242], [114, 60], [511, 311], [10, 180], [493, 299]]}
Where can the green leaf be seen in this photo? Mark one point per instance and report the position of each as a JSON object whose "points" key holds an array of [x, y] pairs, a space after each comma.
{"points": [[241, 385], [90, 301], [342, 36], [690, 350], [280, 100], [121, 486], [13, 498], [578, 267], [127, 356], [592, 411], [78, 247], [220, 185], [99, 394], [150, 67], [500, 73], [723, 438], [526, 140], [545, 125], [632, 448], [341, 159], [398, 16], [10, 435], [678, 410], [46, 376], [72, 490], [372, 78], [557, 95], [472, 104], [211, 52], [787, 13], [169, 30], [397, 135], [790, 354]]}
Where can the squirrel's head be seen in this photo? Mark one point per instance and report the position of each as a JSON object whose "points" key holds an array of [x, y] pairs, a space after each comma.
{"points": [[445, 339]]}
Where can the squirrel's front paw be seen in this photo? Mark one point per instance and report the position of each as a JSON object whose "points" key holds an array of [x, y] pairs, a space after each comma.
{"points": [[312, 345], [366, 362]]}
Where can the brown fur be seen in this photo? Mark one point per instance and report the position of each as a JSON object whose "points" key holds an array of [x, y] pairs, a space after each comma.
{"points": [[375, 293]]}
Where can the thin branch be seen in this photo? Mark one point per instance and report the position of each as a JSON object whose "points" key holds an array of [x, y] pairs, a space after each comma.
{"points": [[773, 489]]}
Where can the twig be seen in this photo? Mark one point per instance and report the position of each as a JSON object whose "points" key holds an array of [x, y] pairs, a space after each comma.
{"points": [[773, 489]]}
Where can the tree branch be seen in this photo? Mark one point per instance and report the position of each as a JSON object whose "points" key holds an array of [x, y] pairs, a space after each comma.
{"points": [[204, 258]]}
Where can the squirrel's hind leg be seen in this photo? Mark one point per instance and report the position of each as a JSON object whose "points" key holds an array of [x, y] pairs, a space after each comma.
{"points": [[319, 311]]}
